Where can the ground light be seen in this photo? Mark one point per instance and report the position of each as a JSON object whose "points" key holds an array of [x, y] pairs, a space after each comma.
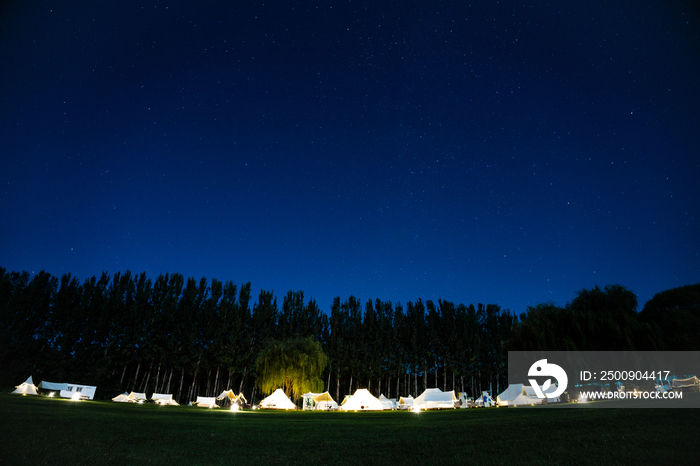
{"points": [[75, 397], [234, 407]]}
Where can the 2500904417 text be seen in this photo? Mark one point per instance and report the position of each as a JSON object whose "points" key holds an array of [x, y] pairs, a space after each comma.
{"points": [[613, 376]]}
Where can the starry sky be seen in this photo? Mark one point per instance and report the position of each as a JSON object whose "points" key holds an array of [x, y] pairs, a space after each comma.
{"points": [[479, 152]]}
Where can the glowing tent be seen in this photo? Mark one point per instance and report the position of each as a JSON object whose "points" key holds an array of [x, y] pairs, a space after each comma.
{"points": [[484, 401], [26, 388], [123, 398], [278, 400], [515, 395], [164, 399], [228, 398], [518, 394], [319, 401], [434, 398], [52, 386], [361, 400], [464, 400], [405, 402], [206, 402], [386, 403], [138, 397], [132, 397]]}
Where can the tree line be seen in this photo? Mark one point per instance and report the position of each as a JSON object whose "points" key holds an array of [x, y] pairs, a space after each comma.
{"points": [[128, 332]]}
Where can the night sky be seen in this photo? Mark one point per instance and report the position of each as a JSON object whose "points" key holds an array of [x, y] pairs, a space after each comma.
{"points": [[492, 152]]}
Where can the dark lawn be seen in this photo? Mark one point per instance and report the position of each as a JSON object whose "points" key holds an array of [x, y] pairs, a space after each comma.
{"points": [[40, 430]]}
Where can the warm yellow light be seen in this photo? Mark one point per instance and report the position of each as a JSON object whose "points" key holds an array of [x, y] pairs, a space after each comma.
{"points": [[234, 407], [51, 394], [75, 397]]}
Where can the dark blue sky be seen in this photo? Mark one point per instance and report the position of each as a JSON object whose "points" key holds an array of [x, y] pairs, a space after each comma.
{"points": [[496, 152]]}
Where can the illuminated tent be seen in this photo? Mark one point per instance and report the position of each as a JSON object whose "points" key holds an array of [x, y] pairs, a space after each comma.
{"points": [[405, 402], [324, 402], [138, 397], [123, 398], [164, 399], [518, 394], [206, 402], [229, 398], [278, 400], [58, 387], [515, 395], [319, 401], [484, 401], [308, 402], [434, 398], [386, 403], [464, 400], [26, 388], [361, 400]]}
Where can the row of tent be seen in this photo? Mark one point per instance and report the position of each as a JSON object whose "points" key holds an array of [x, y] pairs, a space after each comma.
{"points": [[361, 400], [227, 397], [65, 390]]}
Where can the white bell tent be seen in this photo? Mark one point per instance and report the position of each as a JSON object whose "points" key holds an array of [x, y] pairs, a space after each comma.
{"points": [[26, 388], [434, 398], [361, 400], [277, 400]]}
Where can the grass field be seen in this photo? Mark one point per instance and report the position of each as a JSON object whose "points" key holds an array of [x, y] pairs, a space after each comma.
{"points": [[40, 430]]}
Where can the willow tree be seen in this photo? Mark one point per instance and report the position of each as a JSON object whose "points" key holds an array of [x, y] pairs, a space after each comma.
{"points": [[295, 364]]}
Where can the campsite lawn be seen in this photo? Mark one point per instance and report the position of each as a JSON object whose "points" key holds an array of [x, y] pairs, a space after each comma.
{"points": [[40, 430]]}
